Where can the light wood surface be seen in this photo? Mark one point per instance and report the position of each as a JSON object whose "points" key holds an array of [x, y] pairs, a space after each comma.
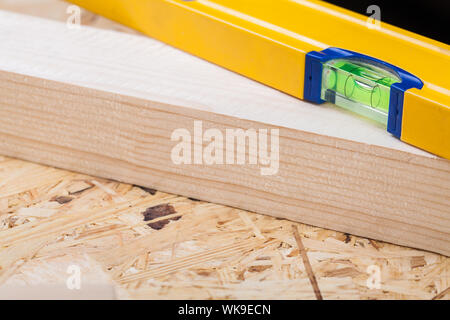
{"points": [[122, 244], [211, 252], [106, 104]]}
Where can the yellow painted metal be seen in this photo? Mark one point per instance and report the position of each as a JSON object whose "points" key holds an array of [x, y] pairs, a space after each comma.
{"points": [[267, 40], [426, 121]]}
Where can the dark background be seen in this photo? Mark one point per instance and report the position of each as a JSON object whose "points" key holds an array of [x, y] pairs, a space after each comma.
{"points": [[430, 18]]}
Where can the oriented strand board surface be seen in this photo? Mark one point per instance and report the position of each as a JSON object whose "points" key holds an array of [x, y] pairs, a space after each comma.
{"points": [[51, 219], [273, 271]]}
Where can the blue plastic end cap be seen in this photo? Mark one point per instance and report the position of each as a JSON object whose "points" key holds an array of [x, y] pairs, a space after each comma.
{"points": [[313, 82]]}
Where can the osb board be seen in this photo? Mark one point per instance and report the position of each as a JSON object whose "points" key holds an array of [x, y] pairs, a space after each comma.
{"points": [[51, 219], [212, 251]]}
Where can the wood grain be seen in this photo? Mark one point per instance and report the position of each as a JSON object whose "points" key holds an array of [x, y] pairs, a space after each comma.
{"points": [[210, 252], [106, 104]]}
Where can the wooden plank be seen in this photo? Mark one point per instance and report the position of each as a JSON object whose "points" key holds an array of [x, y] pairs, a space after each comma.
{"points": [[106, 104]]}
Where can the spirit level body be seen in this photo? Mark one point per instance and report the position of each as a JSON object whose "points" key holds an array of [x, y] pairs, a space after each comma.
{"points": [[268, 40]]}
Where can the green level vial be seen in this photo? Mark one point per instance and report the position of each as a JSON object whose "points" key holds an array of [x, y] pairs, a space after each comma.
{"points": [[359, 87]]}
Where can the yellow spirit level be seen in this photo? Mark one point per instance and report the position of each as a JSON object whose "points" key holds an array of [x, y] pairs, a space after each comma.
{"points": [[311, 50]]}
